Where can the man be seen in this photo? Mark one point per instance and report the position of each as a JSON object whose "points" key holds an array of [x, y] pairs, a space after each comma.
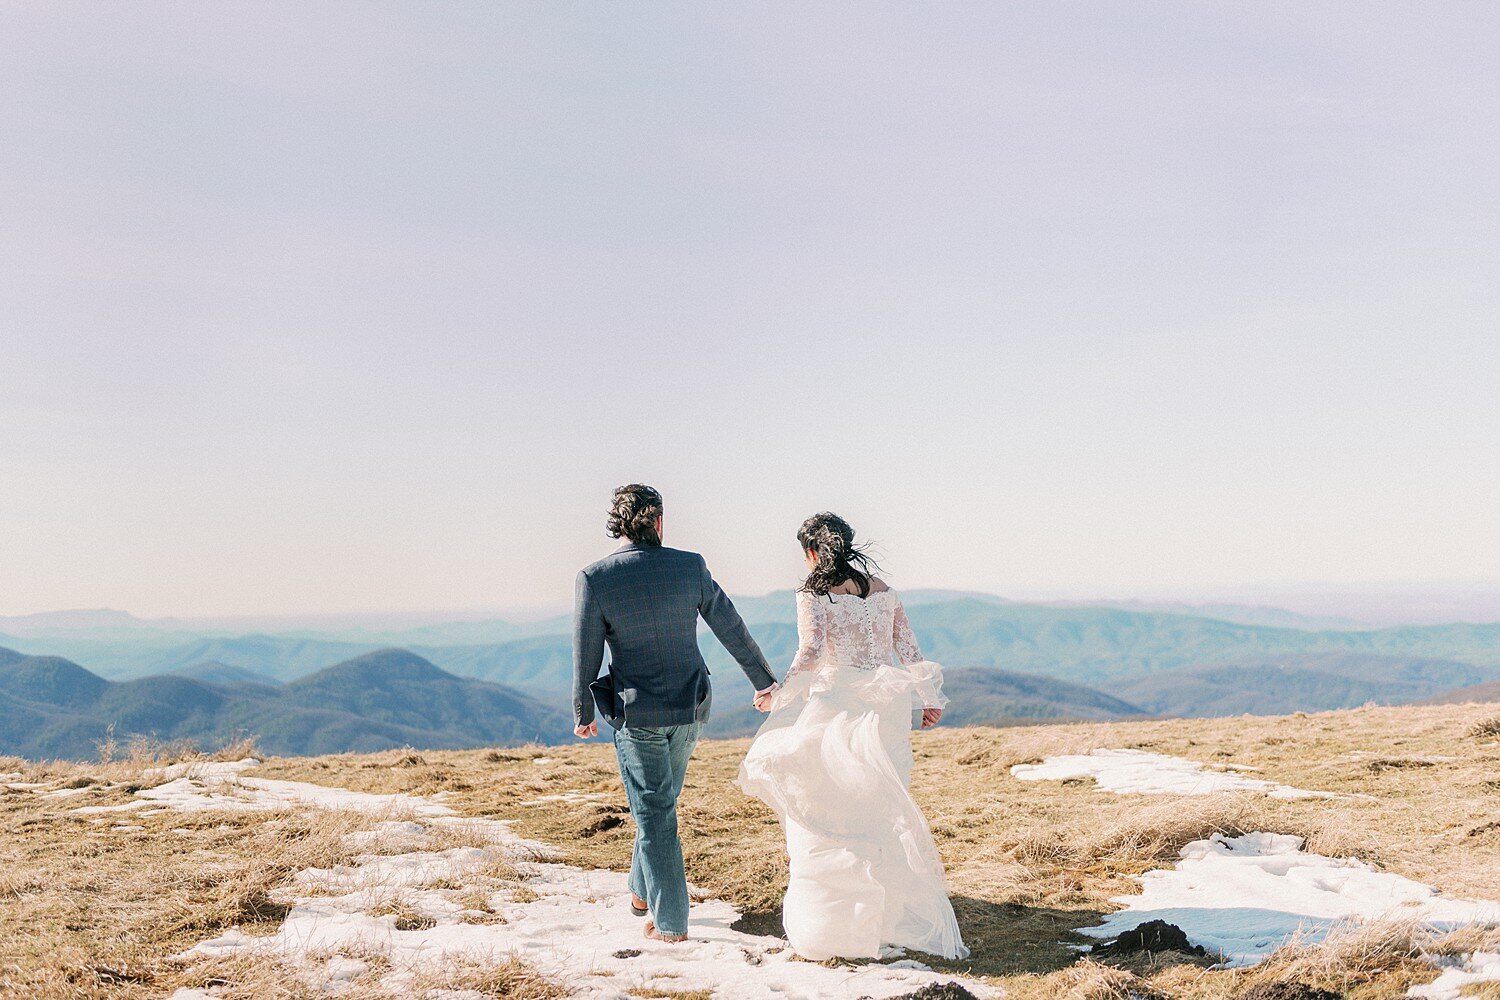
{"points": [[644, 601]]}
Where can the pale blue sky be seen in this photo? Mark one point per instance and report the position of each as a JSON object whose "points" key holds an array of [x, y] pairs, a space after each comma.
{"points": [[316, 307]]}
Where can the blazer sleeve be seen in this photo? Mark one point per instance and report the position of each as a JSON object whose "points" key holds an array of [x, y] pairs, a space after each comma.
{"points": [[729, 628], [588, 648]]}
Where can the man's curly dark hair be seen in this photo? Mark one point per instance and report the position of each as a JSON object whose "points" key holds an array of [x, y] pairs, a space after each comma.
{"points": [[633, 514]]}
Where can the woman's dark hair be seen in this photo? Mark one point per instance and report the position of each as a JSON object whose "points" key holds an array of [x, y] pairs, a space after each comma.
{"points": [[839, 559], [634, 513]]}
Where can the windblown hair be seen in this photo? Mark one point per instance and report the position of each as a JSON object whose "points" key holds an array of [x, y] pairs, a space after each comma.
{"points": [[839, 559], [633, 514]]}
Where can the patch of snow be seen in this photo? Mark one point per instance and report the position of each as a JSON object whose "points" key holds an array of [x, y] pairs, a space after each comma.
{"points": [[567, 797], [122, 807], [223, 786], [571, 932], [534, 760], [1141, 772], [391, 833], [203, 769], [1476, 967], [64, 793], [1243, 897], [341, 970]]}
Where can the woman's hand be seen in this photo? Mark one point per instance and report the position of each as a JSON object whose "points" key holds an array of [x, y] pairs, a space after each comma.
{"points": [[930, 717]]}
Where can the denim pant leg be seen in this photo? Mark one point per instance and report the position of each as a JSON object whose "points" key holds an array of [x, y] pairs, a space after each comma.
{"points": [[653, 764]]}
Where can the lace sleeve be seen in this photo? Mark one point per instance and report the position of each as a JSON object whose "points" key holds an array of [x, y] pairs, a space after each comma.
{"points": [[812, 634], [927, 691], [903, 640]]}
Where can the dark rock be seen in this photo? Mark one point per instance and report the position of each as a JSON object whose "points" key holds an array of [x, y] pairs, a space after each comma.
{"points": [[628, 953], [1153, 935]]}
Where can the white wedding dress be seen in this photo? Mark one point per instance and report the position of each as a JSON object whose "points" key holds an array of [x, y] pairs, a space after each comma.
{"points": [[833, 759]]}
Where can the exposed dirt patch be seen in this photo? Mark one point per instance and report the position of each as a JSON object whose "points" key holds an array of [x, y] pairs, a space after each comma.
{"points": [[1287, 991], [606, 822], [1383, 764], [939, 991], [1152, 936], [762, 924]]}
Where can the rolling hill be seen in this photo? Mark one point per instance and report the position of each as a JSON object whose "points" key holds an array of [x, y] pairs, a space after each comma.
{"points": [[987, 697], [223, 673], [50, 707], [1284, 683], [1487, 692]]}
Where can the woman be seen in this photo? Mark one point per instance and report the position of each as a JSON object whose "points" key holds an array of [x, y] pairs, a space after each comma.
{"points": [[833, 760]]}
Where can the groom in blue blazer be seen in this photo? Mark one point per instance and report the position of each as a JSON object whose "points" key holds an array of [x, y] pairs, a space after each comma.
{"points": [[643, 600]]}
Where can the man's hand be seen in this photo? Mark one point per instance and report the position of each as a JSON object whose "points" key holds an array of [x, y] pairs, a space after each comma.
{"points": [[584, 732], [930, 717]]}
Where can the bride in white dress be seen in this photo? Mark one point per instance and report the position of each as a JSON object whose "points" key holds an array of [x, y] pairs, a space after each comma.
{"points": [[833, 760]]}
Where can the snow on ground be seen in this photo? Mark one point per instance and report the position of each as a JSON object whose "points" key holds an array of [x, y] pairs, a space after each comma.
{"points": [[198, 787], [1243, 897], [578, 929], [1126, 771], [1479, 967], [573, 797]]}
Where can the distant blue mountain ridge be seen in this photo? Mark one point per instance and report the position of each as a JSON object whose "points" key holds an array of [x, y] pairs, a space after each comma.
{"points": [[51, 707], [1163, 662]]}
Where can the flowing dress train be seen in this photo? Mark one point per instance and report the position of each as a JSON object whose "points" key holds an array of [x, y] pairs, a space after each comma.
{"points": [[833, 760]]}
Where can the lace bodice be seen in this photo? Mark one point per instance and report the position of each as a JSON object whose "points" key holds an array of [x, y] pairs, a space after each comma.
{"points": [[845, 630]]}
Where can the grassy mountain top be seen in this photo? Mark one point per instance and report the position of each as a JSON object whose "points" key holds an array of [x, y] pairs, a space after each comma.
{"points": [[1027, 862]]}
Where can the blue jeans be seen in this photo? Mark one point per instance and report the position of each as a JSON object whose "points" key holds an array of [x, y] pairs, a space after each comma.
{"points": [[653, 763]]}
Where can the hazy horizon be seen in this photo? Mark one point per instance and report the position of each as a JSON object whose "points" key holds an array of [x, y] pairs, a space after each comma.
{"points": [[325, 309], [1378, 604]]}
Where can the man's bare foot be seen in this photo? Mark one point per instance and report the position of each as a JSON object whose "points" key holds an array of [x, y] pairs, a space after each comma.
{"points": [[656, 935], [637, 905]]}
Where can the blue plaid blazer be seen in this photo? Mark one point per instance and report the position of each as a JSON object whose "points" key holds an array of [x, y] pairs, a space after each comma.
{"points": [[643, 601]]}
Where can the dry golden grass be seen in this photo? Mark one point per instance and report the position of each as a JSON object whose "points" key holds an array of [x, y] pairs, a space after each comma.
{"points": [[94, 905], [660, 994], [1486, 729], [508, 979], [1028, 862]]}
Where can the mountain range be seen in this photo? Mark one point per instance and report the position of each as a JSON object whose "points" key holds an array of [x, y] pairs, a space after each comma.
{"points": [[1089, 645], [1007, 662], [52, 707]]}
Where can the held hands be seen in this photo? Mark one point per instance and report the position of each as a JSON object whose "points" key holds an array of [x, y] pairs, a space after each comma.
{"points": [[762, 700], [930, 717], [584, 732]]}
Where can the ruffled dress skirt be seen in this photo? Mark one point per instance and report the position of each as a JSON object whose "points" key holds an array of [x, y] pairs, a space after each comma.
{"points": [[833, 760]]}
